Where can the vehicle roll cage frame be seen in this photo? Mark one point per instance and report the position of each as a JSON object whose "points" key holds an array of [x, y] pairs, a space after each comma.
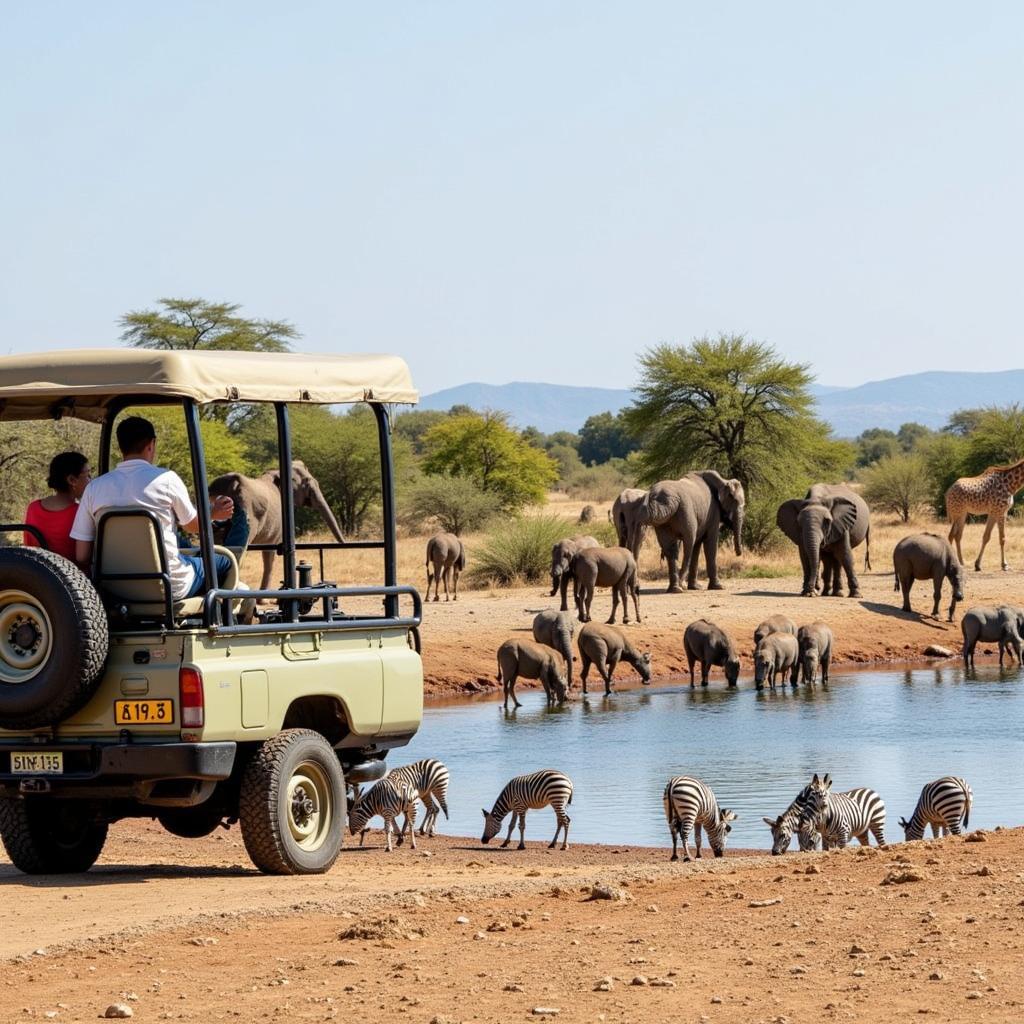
{"points": [[218, 616]]}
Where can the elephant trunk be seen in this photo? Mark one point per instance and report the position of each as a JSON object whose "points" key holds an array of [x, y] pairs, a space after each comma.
{"points": [[810, 553], [325, 510], [737, 531], [565, 649]]}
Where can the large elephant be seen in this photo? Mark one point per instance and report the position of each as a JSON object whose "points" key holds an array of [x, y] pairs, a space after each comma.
{"points": [[826, 525], [260, 499], [625, 516], [692, 512]]}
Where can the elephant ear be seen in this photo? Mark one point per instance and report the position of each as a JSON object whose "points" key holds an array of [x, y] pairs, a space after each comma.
{"points": [[844, 515], [787, 519]]}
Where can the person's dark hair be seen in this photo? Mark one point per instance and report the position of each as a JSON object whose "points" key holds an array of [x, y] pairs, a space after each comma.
{"points": [[61, 467], [133, 434]]}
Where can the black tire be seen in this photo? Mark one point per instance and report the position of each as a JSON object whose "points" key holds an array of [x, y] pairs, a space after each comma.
{"points": [[193, 822], [45, 836], [282, 836], [53, 638]]}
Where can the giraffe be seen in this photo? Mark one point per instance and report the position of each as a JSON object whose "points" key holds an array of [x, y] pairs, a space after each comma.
{"points": [[992, 494]]}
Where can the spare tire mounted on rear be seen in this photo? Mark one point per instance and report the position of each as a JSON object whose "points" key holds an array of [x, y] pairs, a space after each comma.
{"points": [[53, 638]]}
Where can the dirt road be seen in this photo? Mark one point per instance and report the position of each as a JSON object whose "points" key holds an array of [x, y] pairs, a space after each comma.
{"points": [[181, 931]]}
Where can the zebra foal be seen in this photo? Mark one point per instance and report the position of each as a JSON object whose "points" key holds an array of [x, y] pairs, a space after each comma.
{"points": [[689, 804], [526, 793], [838, 817], [943, 804], [389, 799], [430, 780]]}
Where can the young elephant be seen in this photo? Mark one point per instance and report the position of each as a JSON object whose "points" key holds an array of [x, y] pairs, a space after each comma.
{"points": [[561, 562], [555, 630], [606, 567], [605, 646], [1002, 625], [776, 654], [531, 661], [927, 556], [815, 643], [703, 641], [774, 624]]}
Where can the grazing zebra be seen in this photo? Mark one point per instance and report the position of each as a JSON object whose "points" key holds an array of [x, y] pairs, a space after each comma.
{"points": [[388, 799], [838, 817], [530, 792], [689, 804], [788, 821], [430, 780], [943, 804]]}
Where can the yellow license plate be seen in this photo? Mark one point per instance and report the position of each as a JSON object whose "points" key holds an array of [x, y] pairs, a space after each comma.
{"points": [[143, 712], [37, 762]]}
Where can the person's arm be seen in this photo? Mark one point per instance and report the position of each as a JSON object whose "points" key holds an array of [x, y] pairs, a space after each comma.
{"points": [[83, 533], [185, 512], [83, 555]]}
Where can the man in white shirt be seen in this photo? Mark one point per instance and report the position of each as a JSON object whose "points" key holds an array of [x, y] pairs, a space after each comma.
{"points": [[137, 483]]}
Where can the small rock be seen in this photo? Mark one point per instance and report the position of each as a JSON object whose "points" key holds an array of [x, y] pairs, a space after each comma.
{"points": [[604, 985], [764, 903], [662, 983], [545, 1011], [716, 999], [609, 892], [748, 963], [856, 950], [975, 994], [480, 935], [798, 970], [203, 940], [935, 976], [118, 1011], [497, 926], [859, 973], [640, 980], [653, 908], [978, 836], [937, 651], [345, 962], [513, 988], [984, 871], [462, 920], [902, 876], [812, 869]]}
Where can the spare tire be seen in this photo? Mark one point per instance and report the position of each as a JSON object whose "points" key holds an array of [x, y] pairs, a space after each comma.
{"points": [[53, 638]]}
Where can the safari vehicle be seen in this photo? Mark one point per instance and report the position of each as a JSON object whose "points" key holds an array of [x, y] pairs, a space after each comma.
{"points": [[117, 701]]}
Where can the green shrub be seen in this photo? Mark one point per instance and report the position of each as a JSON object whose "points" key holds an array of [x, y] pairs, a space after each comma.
{"points": [[598, 483], [455, 502], [519, 550], [601, 530]]}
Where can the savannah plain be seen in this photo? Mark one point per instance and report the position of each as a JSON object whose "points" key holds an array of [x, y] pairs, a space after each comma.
{"points": [[187, 930]]}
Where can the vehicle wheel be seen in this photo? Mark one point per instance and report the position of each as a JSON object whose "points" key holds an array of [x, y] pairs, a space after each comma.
{"points": [[45, 836], [292, 807], [53, 638], [193, 822]]}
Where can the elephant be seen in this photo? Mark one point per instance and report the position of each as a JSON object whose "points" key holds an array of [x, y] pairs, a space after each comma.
{"points": [[776, 654], [605, 646], [927, 556], [260, 500], [826, 525], [1003, 626], [523, 658], [446, 558], [625, 518], [691, 512], [561, 559], [774, 624], [815, 643], [703, 641], [606, 567], [555, 630]]}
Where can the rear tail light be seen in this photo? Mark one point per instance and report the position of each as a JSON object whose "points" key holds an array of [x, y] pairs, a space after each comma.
{"points": [[190, 690]]}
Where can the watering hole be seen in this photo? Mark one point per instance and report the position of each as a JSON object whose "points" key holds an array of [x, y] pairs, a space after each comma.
{"points": [[890, 730]]}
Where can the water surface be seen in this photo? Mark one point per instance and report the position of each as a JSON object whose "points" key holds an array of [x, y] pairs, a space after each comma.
{"points": [[892, 731]]}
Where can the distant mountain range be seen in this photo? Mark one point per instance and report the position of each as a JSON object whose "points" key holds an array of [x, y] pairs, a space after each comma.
{"points": [[928, 398]]}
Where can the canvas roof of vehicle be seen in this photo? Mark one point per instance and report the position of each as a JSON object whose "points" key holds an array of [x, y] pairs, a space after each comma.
{"points": [[83, 382]]}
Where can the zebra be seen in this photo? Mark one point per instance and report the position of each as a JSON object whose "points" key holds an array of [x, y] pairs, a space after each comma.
{"points": [[788, 821], [841, 816], [430, 780], [389, 799], [689, 804], [943, 804], [530, 792]]}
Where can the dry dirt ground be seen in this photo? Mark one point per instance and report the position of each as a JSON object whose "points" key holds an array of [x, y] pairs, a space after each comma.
{"points": [[180, 930]]}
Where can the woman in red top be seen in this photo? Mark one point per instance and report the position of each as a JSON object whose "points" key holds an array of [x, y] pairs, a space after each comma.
{"points": [[53, 516]]}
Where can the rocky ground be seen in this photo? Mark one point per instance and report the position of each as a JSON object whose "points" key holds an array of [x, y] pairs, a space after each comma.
{"points": [[177, 930]]}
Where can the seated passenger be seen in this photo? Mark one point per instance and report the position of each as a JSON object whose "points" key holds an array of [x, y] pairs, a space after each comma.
{"points": [[53, 515], [137, 482]]}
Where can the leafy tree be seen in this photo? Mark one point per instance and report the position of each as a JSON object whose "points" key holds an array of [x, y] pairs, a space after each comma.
{"points": [[458, 505], [192, 324], [413, 425], [898, 483], [945, 455], [996, 439], [875, 444], [604, 437], [963, 422], [910, 435], [567, 459], [484, 448]]}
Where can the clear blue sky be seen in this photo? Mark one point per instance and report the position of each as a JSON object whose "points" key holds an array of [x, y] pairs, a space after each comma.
{"points": [[523, 191]]}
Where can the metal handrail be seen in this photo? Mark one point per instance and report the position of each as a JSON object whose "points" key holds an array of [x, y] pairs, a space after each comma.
{"points": [[25, 528]]}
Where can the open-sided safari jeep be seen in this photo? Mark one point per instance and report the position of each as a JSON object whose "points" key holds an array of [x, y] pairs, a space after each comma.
{"points": [[116, 701]]}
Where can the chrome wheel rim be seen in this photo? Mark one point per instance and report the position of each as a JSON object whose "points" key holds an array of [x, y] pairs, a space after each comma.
{"points": [[310, 806], [26, 636]]}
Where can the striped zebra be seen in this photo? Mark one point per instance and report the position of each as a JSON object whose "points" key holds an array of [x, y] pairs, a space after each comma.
{"points": [[943, 804], [788, 821], [388, 799], [689, 804], [430, 780], [525, 793], [838, 817]]}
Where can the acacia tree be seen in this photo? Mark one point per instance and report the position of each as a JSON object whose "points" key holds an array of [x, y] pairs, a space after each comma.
{"points": [[898, 483], [483, 447], [192, 324]]}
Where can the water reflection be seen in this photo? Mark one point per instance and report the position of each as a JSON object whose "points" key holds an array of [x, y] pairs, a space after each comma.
{"points": [[892, 731]]}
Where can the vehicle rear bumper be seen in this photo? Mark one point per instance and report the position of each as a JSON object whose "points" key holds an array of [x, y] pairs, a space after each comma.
{"points": [[122, 767]]}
